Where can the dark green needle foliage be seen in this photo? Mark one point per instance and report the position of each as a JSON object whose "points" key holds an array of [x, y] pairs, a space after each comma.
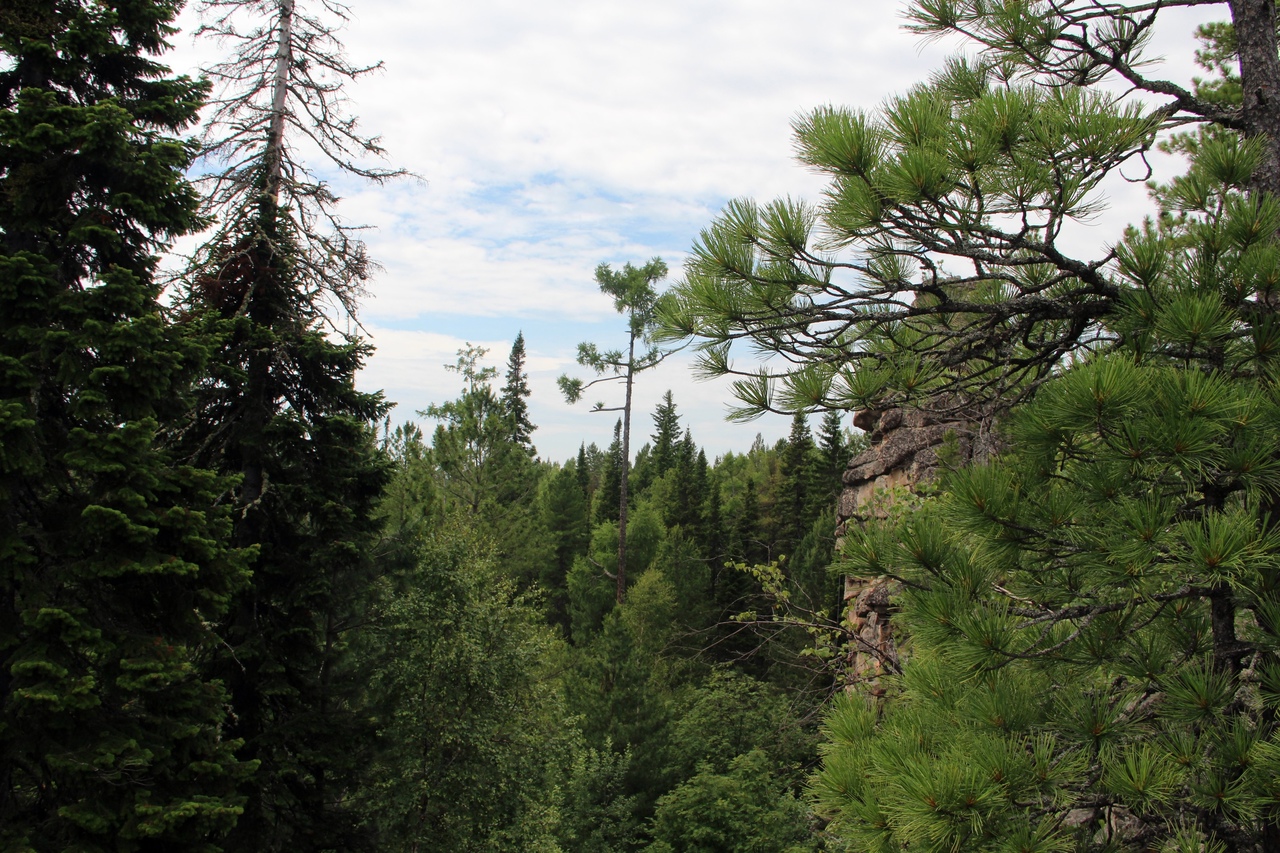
{"points": [[514, 392], [281, 411], [1091, 617], [942, 256], [114, 559]]}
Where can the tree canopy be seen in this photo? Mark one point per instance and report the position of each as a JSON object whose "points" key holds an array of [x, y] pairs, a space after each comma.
{"points": [[936, 259]]}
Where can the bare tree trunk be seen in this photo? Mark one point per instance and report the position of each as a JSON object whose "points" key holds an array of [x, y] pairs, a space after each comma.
{"points": [[626, 472], [274, 159], [1255, 29]]}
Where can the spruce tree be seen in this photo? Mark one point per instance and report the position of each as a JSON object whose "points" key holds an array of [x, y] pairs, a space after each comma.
{"points": [[282, 412], [564, 509], [666, 435], [795, 499], [832, 457], [751, 547], [583, 471], [514, 393], [114, 558], [611, 477]]}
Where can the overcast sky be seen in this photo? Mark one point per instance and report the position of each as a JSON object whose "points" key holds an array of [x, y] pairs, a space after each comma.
{"points": [[552, 136]]}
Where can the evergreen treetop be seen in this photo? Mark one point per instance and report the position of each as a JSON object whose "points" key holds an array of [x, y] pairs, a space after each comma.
{"points": [[114, 550], [514, 393]]}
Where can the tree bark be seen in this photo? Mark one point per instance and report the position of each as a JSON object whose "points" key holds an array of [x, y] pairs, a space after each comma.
{"points": [[1255, 29], [1222, 619], [274, 155], [626, 472]]}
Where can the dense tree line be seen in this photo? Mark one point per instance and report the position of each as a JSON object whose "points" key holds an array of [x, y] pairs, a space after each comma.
{"points": [[1088, 620], [239, 610]]}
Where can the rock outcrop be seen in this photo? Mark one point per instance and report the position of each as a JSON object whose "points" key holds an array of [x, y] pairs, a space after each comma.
{"points": [[907, 448]]}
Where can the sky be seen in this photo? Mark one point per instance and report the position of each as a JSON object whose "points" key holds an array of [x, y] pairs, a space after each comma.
{"points": [[552, 136]]}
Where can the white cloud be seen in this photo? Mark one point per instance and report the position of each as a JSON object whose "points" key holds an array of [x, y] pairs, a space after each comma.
{"points": [[559, 134]]}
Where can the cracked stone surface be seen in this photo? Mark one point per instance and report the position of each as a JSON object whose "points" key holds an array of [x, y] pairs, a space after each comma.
{"points": [[904, 452]]}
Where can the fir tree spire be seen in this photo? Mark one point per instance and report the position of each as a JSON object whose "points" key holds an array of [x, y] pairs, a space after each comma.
{"points": [[514, 393]]}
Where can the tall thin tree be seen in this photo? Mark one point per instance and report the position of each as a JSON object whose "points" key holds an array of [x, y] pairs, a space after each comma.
{"points": [[514, 395], [275, 276], [635, 297]]}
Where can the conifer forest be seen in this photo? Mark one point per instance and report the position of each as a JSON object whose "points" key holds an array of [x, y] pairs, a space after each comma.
{"points": [[1010, 584]]}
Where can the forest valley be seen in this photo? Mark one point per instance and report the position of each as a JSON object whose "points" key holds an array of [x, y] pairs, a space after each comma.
{"points": [[241, 609]]}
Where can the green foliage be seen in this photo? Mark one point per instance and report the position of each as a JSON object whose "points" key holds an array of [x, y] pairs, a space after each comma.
{"points": [[411, 502], [280, 411], [742, 809], [473, 446], [485, 472], [635, 297], [514, 392], [936, 260], [473, 741], [666, 423], [620, 683], [1085, 618], [1113, 550], [114, 550], [599, 817], [564, 513], [732, 714]]}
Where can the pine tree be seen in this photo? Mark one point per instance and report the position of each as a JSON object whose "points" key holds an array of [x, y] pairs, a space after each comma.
{"points": [[956, 201], [1090, 621], [113, 549], [634, 296]]}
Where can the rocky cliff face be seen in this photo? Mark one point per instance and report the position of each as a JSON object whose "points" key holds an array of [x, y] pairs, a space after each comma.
{"points": [[906, 449]]}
